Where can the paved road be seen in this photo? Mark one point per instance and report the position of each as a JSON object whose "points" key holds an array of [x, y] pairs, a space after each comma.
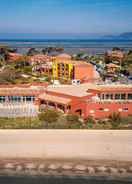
{"points": [[65, 144]]}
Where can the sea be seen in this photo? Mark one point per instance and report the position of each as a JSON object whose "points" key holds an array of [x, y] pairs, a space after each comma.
{"points": [[56, 180], [71, 46]]}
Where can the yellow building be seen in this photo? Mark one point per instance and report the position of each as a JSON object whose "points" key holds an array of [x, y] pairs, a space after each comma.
{"points": [[62, 70], [68, 70]]}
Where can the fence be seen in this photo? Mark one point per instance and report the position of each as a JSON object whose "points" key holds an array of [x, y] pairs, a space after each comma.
{"points": [[18, 110]]}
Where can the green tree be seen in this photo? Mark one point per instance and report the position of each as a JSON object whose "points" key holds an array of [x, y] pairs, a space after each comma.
{"points": [[89, 122], [48, 117], [32, 52], [115, 120], [72, 118], [4, 51], [128, 59]]}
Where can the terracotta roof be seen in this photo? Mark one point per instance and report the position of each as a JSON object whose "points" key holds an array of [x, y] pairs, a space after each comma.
{"points": [[40, 58], [22, 89], [112, 65], [37, 84], [56, 99], [64, 55], [14, 56], [74, 62], [19, 92]]}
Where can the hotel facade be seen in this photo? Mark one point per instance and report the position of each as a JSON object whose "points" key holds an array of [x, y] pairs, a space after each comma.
{"points": [[83, 100]]}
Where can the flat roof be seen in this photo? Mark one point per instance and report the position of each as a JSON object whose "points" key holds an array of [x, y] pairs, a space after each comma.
{"points": [[82, 89], [74, 62], [78, 90], [19, 92], [56, 99]]}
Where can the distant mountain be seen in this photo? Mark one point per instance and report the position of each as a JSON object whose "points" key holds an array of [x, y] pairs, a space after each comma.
{"points": [[127, 35], [124, 36]]}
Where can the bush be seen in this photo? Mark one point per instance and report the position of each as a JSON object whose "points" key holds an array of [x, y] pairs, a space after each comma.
{"points": [[89, 122], [115, 120], [48, 117], [72, 118], [20, 123]]}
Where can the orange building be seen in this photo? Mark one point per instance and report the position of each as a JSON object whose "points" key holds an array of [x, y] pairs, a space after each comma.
{"points": [[39, 59], [98, 101], [42, 64], [89, 100], [62, 67], [70, 70], [14, 56]]}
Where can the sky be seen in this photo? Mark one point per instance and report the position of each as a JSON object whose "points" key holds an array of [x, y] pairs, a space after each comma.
{"points": [[65, 16]]}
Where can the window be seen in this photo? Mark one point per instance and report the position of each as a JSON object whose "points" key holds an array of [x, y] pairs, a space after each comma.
{"points": [[130, 96], [117, 96], [18, 98], [12, 98], [28, 98], [99, 95], [125, 109], [103, 96], [51, 104], [33, 98], [123, 96], [43, 102], [111, 96], [24, 98], [2, 98], [108, 96], [101, 109], [61, 107]]}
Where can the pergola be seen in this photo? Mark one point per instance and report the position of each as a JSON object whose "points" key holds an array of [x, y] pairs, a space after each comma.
{"points": [[55, 102]]}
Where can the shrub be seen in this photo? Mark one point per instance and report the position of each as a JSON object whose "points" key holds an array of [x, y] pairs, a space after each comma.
{"points": [[48, 117], [72, 118], [20, 123], [89, 122], [115, 120]]}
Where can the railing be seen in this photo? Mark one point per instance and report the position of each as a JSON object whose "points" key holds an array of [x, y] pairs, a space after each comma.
{"points": [[18, 110]]}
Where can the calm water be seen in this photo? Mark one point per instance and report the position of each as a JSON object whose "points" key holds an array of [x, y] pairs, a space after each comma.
{"points": [[55, 180], [95, 46]]}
